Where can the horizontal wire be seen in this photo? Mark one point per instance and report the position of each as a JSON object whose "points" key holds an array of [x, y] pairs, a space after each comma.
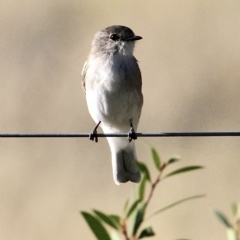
{"points": [[154, 134]]}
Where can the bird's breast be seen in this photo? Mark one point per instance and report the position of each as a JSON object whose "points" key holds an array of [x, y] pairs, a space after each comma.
{"points": [[115, 95]]}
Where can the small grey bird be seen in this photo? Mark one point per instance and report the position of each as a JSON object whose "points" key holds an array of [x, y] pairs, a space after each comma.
{"points": [[112, 81]]}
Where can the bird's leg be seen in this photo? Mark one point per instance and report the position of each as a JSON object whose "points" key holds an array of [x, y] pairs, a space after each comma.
{"points": [[131, 134], [93, 135]]}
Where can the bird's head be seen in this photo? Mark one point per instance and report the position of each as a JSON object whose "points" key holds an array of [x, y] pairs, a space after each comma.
{"points": [[113, 40]]}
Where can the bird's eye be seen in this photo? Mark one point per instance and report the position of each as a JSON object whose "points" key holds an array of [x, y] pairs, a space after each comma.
{"points": [[114, 37]]}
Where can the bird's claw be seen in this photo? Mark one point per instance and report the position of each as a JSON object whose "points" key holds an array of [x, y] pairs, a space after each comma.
{"points": [[93, 135], [131, 134]]}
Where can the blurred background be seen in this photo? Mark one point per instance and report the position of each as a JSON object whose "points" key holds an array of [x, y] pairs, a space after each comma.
{"points": [[190, 63]]}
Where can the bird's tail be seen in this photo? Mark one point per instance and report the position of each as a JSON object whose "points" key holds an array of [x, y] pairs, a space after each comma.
{"points": [[124, 160]]}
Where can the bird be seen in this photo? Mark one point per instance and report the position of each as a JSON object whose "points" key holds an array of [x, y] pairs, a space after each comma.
{"points": [[111, 79]]}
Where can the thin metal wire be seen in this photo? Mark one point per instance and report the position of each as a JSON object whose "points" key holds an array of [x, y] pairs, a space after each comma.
{"points": [[86, 135]]}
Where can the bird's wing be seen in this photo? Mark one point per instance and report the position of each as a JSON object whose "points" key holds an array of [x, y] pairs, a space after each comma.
{"points": [[84, 70]]}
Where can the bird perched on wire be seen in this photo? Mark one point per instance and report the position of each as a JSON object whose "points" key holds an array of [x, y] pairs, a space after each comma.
{"points": [[112, 81]]}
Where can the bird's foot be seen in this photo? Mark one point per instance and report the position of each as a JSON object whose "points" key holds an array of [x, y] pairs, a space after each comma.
{"points": [[93, 135], [132, 134]]}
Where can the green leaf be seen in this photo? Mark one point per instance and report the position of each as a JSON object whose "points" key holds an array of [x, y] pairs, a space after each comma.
{"points": [[96, 226], [173, 160], [144, 169], [115, 218], [176, 203], [105, 218], [142, 187], [133, 207], [138, 219], [156, 158], [147, 232], [234, 208], [231, 234], [182, 170], [126, 205], [223, 219], [115, 235]]}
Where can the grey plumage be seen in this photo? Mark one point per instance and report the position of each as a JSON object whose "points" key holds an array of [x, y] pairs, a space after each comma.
{"points": [[112, 81]]}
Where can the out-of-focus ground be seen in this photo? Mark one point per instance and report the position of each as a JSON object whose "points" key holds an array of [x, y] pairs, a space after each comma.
{"points": [[190, 62]]}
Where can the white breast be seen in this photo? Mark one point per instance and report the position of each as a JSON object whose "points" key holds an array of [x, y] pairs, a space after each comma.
{"points": [[112, 98]]}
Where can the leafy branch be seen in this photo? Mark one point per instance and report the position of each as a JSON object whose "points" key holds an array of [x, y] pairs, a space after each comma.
{"points": [[233, 228], [136, 211]]}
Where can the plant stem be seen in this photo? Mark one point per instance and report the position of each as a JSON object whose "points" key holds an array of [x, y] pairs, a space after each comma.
{"points": [[124, 230], [153, 188], [155, 183]]}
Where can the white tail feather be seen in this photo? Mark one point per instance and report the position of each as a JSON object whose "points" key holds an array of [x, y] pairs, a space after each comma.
{"points": [[123, 160]]}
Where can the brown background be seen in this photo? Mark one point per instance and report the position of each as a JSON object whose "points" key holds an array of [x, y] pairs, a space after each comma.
{"points": [[190, 62]]}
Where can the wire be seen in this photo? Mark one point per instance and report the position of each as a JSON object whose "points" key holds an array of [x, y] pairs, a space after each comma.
{"points": [[86, 135]]}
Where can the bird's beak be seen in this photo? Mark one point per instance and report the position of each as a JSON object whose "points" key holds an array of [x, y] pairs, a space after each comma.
{"points": [[132, 38]]}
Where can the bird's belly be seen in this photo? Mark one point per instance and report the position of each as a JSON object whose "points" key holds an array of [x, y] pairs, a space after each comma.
{"points": [[114, 108]]}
